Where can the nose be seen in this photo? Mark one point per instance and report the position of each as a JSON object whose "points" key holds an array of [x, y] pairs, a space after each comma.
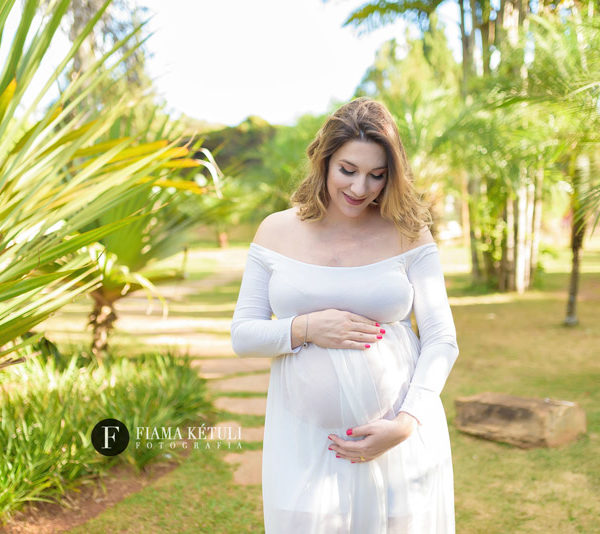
{"points": [[359, 187]]}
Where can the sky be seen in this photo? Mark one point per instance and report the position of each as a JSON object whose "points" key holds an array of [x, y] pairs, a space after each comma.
{"points": [[221, 61]]}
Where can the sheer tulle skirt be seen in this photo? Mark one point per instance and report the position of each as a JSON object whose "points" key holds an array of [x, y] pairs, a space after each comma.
{"points": [[318, 391]]}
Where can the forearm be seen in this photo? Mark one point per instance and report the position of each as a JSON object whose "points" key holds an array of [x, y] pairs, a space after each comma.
{"points": [[437, 335], [261, 337]]}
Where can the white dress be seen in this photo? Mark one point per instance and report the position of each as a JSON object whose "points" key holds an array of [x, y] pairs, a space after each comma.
{"points": [[315, 391]]}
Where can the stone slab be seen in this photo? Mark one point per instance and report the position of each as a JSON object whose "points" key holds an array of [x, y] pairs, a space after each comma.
{"points": [[218, 367], [252, 383], [252, 405], [522, 421], [248, 467]]}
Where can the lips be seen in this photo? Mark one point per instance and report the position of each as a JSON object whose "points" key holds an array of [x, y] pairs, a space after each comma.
{"points": [[352, 200]]}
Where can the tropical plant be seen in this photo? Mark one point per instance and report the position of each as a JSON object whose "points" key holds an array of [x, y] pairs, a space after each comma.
{"points": [[127, 256], [565, 80], [56, 177]]}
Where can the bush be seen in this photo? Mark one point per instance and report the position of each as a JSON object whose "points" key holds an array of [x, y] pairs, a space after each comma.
{"points": [[49, 406]]}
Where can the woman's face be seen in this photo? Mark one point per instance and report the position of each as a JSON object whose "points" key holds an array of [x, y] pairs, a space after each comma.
{"points": [[357, 170]]}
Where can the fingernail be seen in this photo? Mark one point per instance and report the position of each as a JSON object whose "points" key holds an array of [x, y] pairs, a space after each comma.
{"points": [[349, 432], [352, 461], [377, 324], [367, 346], [379, 337], [382, 331], [337, 455], [330, 449], [330, 438]]}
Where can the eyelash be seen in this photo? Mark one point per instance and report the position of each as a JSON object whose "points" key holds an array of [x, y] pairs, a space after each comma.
{"points": [[349, 173]]}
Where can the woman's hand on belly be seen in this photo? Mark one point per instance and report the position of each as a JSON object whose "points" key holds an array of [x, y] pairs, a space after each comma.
{"points": [[381, 435], [340, 329]]}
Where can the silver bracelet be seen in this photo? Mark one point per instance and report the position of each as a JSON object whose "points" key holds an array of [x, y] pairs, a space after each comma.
{"points": [[304, 343]]}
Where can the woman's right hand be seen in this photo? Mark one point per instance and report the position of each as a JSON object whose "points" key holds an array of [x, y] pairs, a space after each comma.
{"points": [[340, 329]]}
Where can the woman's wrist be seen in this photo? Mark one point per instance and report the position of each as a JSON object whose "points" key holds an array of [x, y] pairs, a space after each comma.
{"points": [[300, 333], [403, 419]]}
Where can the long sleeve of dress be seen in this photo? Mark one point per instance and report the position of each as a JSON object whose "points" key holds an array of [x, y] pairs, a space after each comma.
{"points": [[253, 332], [437, 333]]}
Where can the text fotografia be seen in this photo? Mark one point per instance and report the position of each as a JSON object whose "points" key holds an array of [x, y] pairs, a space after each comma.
{"points": [[202, 436]]}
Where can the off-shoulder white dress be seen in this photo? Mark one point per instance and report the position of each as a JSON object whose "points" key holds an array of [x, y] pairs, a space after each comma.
{"points": [[315, 391]]}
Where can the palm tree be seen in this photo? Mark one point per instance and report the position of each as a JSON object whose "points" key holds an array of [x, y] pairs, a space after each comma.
{"points": [[565, 78]]}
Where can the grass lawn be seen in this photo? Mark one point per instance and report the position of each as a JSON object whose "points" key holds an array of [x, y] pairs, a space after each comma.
{"points": [[508, 343], [198, 496]]}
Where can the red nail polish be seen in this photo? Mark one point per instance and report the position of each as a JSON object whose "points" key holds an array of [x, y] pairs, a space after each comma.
{"points": [[349, 432], [382, 331], [337, 456], [379, 337], [377, 324], [368, 346], [352, 461], [330, 449], [330, 438]]}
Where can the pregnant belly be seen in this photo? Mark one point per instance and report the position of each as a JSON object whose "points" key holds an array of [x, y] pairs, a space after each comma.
{"points": [[338, 388]]}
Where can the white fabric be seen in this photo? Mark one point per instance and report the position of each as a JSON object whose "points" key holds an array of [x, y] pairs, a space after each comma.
{"points": [[317, 391]]}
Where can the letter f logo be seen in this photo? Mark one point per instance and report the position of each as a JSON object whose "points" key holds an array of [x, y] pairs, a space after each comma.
{"points": [[110, 437]]}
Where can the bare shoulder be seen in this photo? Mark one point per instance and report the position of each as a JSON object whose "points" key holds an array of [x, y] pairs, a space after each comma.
{"points": [[423, 238], [270, 228]]}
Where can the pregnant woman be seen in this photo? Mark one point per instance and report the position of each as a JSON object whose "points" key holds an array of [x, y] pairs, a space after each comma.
{"points": [[356, 439]]}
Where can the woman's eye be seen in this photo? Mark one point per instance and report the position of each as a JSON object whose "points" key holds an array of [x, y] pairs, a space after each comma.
{"points": [[349, 173]]}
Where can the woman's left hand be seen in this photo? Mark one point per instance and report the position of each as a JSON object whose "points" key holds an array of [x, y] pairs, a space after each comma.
{"points": [[381, 435]]}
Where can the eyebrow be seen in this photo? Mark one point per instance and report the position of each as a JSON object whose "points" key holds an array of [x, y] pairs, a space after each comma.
{"points": [[354, 165]]}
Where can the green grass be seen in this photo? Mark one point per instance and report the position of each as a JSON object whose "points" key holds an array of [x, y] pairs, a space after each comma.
{"points": [[199, 496], [520, 347]]}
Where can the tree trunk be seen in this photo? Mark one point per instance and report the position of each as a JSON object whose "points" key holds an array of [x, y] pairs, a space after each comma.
{"points": [[520, 230], [579, 168], [464, 210], [222, 239], [101, 319], [476, 58], [465, 51], [473, 196], [577, 232], [529, 233], [508, 253], [537, 221], [486, 239]]}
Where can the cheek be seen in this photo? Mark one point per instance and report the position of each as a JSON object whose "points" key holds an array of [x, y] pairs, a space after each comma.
{"points": [[379, 187], [335, 180]]}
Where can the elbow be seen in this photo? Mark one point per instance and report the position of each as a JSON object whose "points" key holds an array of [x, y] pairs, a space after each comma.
{"points": [[240, 348], [456, 352], [452, 351], [243, 341], [446, 345]]}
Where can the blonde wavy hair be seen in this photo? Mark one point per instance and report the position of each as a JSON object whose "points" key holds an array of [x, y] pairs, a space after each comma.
{"points": [[367, 120]]}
